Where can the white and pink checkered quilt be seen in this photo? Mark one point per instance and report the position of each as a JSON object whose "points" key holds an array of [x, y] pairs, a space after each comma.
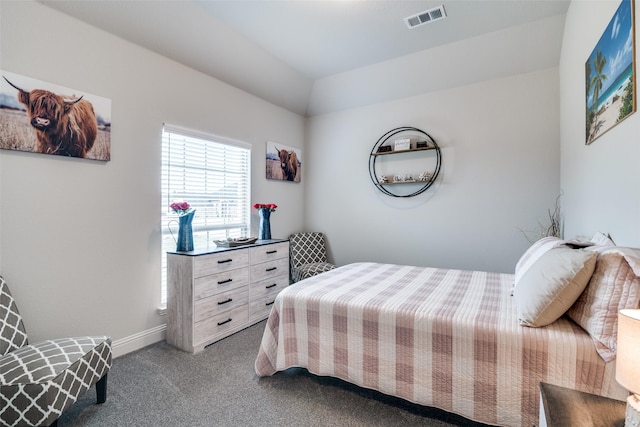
{"points": [[437, 337]]}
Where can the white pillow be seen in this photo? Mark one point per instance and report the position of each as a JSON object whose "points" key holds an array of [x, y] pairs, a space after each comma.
{"points": [[552, 284], [532, 254], [602, 239]]}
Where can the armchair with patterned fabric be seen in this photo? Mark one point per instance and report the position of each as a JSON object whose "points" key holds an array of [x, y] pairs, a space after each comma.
{"points": [[308, 255], [40, 381]]}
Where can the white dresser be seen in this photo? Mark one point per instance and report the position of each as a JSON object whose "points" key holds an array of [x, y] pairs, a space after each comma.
{"points": [[212, 294]]}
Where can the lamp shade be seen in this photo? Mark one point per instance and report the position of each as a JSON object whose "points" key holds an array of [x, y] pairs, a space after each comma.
{"points": [[628, 350]]}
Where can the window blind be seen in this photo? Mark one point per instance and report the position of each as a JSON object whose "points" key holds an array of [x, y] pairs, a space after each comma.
{"points": [[212, 174]]}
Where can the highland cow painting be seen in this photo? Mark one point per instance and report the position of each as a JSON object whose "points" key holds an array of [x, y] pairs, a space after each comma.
{"points": [[41, 117], [610, 75], [283, 163]]}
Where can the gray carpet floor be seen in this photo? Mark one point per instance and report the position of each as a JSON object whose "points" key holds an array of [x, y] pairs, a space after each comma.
{"points": [[160, 385]]}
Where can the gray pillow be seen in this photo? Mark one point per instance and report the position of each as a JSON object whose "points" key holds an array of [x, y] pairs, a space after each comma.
{"points": [[552, 284]]}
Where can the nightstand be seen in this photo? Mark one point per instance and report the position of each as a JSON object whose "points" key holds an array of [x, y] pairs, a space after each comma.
{"points": [[561, 406]]}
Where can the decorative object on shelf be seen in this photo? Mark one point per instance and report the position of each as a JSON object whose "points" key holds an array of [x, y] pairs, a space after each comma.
{"points": [[399, 179], [402, 144], [264, 210], [628, 361], [233, 242], [185, 231], [610, 98], [424, 176], [402, 184]]}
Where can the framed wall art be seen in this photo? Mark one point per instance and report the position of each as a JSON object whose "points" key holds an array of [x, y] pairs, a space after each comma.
{"points": [[610, 75], [41, 117], [283, 163]]}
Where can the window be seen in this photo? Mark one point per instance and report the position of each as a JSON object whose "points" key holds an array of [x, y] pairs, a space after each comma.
{"points": [[212, 174]]}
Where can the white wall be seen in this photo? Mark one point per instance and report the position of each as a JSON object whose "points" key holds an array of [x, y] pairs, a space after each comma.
{"points": [[601, 181], [80, 243], [500, 174]]}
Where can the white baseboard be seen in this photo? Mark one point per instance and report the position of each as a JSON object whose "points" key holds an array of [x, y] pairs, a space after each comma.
{"points": [[137, 341]]}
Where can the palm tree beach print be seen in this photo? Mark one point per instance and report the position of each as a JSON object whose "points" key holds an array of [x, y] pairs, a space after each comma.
{"points": [[609, 75]]}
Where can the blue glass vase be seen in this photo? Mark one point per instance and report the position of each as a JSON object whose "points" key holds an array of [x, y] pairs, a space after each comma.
{"points": [[185, 232], [265, 224]]}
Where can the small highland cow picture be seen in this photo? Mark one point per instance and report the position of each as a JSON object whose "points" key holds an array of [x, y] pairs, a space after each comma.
{"points": [[41, 117], [283, 163]]}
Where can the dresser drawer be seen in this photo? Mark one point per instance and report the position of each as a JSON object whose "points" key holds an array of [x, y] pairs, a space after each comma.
{"points": [[265, 253], [269, 286], [207, 286], [217, 263], [225, 301], [221, 325], [259, 308], [269, 269]]}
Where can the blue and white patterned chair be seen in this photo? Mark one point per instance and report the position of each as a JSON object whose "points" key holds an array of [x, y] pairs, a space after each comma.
{"points": [[38, 382], [308, 255]]}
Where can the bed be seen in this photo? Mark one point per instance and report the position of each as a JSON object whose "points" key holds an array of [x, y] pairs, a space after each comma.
{"points": [[444, 338]]}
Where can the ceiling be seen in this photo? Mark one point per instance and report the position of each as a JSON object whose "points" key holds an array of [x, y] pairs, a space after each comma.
{"points": [[277, 50]]}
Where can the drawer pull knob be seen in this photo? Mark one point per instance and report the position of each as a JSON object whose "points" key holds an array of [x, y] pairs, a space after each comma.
{"points": [[224, 302], [271, 252], [222, 282], [272, 268], [270, 303], [271, 286], [223, 322], [223, 261]]}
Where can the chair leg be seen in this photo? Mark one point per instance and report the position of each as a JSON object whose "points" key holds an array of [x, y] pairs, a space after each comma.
{"points": [[101, 389]]}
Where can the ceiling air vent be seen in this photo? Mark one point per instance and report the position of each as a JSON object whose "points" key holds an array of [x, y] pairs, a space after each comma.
{"points": [[425, 17]]}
